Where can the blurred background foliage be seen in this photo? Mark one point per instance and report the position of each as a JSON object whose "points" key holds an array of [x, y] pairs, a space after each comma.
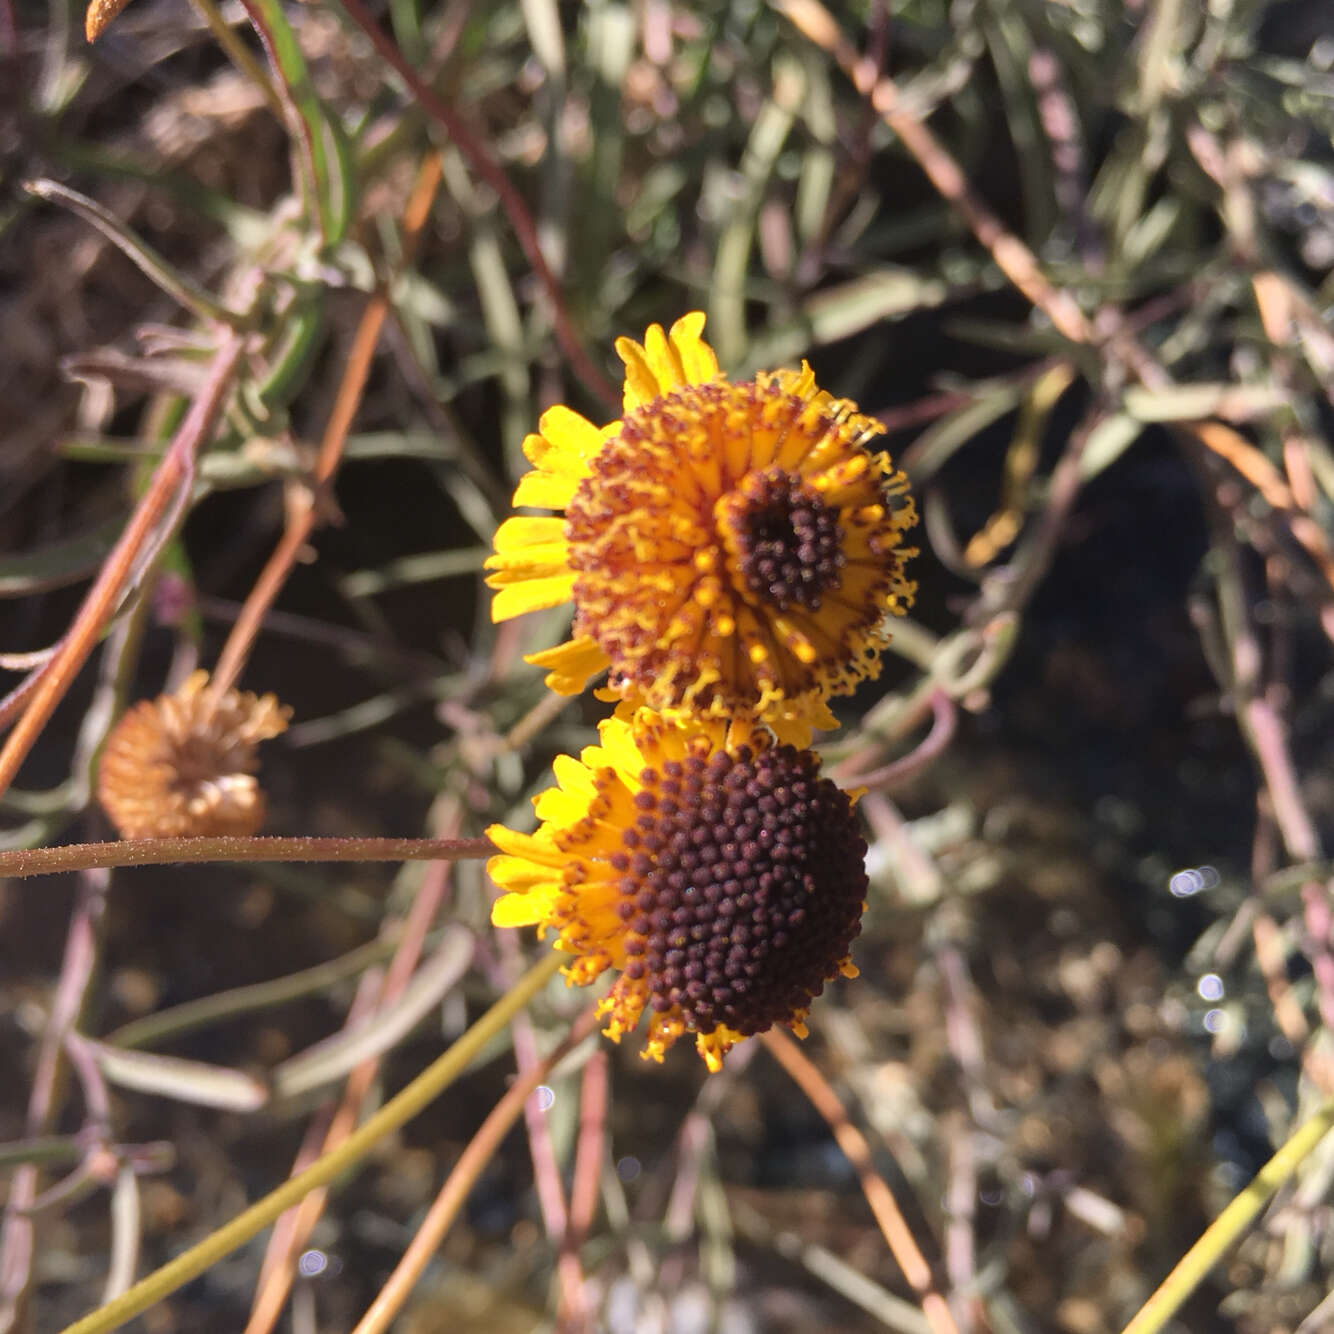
{"points": [[1091, 309]]}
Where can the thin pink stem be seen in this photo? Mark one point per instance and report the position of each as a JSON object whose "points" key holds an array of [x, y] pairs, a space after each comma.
{"points": [[588, 1155], [76, 972], [944, 722]]}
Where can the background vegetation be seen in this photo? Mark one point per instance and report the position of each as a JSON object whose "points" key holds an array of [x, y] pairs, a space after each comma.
{"points": [[303, 277]]}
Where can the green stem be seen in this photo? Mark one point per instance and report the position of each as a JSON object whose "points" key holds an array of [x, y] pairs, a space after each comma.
{"points": [[1230, 1224], [42, 1149], [160, 851], [397, 1112], [240, 56]]}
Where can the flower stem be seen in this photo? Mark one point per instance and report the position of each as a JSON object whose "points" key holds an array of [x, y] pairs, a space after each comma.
{"points": [[392, 1116], [19, 862], [148, 528], [1230, 1224]]}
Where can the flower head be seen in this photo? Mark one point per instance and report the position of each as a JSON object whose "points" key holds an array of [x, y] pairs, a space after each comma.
{"points": [[731, 550], [184, 763], [712, 866]]}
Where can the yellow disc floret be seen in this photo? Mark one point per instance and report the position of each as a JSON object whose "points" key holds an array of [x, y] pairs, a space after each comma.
{"points": [[731, 550]]}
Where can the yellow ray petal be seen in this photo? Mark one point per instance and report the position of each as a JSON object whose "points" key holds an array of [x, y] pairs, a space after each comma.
{"points": [[529, 530], [545, 490], [620, 751], [641, 384], [570, 666], [566, 441], [562, 808], [533, 846], [699, 363], [531, 595], [519, 875], [520, 910], [521, 566], [666, 361], [573, 776]]}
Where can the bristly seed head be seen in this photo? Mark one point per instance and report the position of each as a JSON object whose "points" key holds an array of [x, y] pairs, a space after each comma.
{"points": [[184, 764], [743, 888], [714, 867]]}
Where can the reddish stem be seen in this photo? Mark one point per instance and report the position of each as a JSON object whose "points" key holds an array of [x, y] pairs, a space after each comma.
{"points": [[161, 851], [174, 474]]}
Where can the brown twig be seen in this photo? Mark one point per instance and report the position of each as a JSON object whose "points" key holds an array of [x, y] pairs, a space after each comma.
{"points": [[286, 1244], [1269, 482], [548, 1182], [1257, 702], [590, 1149], [481, 1149], [548, 1179], [304, 501], [961, 1211], [1012, 256], [944, 721], [1271, 953], [694, 1143], [291, 1231], [19, 862], [76, 974], [172, 478], [892, 1224], [811, 262]]}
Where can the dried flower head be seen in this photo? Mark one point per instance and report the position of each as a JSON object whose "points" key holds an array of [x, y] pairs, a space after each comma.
{"points": [[731, 550], [184, 763], [712, 866]]}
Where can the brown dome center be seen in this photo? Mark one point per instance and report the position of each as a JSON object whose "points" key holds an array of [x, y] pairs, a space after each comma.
{"points": [[742, 887]]}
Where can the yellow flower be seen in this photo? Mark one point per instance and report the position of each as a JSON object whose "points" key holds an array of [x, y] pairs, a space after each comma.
{"points": [[731, 550], [710, 865], [183, 764]]}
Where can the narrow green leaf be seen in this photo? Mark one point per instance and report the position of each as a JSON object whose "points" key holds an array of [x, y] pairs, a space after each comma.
{"points": [[1109, 440], [333, 1058], [185, 1081], [51, 1149], [1190, 402], [934, 447], [324, 147], [839, 312], [60, 563], [424, 568], [291, 358], [170, 279]]}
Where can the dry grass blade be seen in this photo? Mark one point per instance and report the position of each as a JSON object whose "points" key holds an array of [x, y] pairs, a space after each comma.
{"points": [[887, 1213], [462, 1178]]}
